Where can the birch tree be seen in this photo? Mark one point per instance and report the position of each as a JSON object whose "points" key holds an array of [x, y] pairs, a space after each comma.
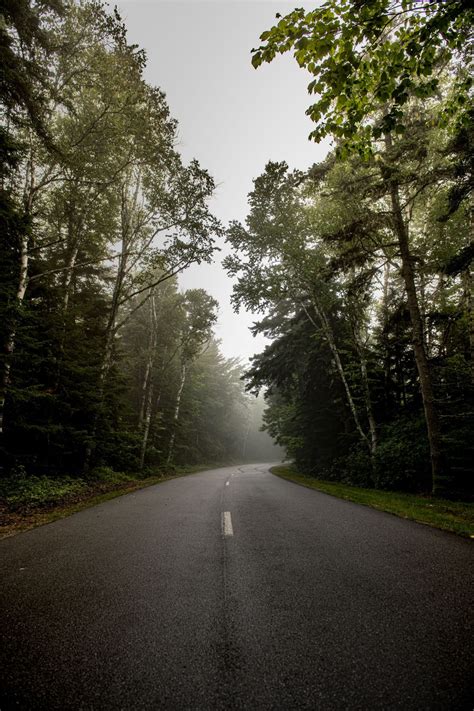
{"points": [[200, 315], [368, 61]]}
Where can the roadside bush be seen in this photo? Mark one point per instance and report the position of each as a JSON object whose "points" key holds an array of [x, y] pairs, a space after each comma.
{"points": [[357, 470], [119, 450], [38, 491], [107, 474], [403, 459]]}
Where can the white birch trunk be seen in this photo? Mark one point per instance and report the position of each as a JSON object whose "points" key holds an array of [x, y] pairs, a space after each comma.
{"points": [[327, 330], [9, 345], [367, 397], [110, 330], [148, 385], [176, 413]]}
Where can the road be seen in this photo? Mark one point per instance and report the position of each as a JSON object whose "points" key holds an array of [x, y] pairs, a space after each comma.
{"points": [[234, 589]]}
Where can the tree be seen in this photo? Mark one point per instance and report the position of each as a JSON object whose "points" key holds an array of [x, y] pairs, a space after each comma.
{"points": [[279, 257], [319, 251], [23, 98], [214, 408], [102, 212], [200, 315], [370, 57], [24, 83], [370, 62]]}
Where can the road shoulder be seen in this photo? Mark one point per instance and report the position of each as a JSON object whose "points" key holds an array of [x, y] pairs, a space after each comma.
{"points": [[454, 516], [15, 520]]}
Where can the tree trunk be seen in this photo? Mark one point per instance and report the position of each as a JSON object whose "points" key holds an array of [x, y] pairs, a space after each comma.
{"points": [[149, 362], [148, 386], [145, 388], [327, 330], [9, 345], [467, 297], [426, 385], [146, 424], [71, 261], [385, 340], [367, 397], [109, 336], [176, 413]]}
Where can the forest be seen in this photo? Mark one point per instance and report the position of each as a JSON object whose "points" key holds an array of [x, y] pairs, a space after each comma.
{"points": [[106, 364], [359, 267]]}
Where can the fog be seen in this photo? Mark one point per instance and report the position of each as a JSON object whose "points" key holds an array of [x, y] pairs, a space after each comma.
{"points": [[232, 118]]}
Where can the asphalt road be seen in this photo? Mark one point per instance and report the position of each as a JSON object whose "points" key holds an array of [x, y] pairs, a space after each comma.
{"points": [[292, 600]]}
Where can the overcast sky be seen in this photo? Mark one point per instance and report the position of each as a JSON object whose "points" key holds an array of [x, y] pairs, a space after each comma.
{"points": [[232, 118]]}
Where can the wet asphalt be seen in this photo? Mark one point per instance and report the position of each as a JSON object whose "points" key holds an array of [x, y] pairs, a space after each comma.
{"points": [[148, 602]]}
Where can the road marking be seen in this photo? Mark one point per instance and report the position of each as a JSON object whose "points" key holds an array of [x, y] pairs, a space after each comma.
{"points": [[227, 483], [227, 524]]}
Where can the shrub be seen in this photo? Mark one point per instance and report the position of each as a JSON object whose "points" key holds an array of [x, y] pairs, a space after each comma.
{"points": [[107, 474], [403, 459], [357, 470], [39, 491]]}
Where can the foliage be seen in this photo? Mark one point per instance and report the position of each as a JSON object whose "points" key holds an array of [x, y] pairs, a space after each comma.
{"points": [[375, 56], [318, 257], [376, 255], [402, 457], [23, 79], [38, 491], [99, 215]]}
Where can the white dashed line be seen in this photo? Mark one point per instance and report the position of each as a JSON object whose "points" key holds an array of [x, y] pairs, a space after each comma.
{"points": [[227, 524], [227, 483]]}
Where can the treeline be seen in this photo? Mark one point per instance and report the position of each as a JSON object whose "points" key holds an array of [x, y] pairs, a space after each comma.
{"points": [[362, 265], [104, 362]]}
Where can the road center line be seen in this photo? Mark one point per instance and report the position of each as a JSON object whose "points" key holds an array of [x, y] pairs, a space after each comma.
{"points": [[227, 529]]}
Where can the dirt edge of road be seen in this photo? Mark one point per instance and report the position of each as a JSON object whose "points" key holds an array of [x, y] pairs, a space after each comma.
{"points": [[27, 517]]}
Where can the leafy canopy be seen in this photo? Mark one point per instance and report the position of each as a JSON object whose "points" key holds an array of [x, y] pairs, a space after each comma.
{"points": [[373, 56]]}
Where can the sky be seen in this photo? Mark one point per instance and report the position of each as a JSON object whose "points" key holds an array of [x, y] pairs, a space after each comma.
{"points": [[232, 118]]}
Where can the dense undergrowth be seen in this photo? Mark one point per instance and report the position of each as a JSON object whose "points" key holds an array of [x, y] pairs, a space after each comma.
{"points": [[22, 493], [27, 502]]}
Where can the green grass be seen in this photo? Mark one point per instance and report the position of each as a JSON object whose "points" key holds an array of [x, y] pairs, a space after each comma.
{"points": [[454, 516], [28, 502]]}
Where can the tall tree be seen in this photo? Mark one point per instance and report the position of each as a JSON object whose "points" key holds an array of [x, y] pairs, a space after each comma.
{"points": [[102, 212], [279, 256], [375, 56], [369, 60], [200, 315], [23, 100]]}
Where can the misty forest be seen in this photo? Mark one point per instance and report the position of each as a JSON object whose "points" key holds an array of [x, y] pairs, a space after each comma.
{"points": [[358, 269]]}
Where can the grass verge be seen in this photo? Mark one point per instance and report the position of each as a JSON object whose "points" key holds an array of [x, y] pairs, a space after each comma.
{"points": [[28, 503], [454, 516]]}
